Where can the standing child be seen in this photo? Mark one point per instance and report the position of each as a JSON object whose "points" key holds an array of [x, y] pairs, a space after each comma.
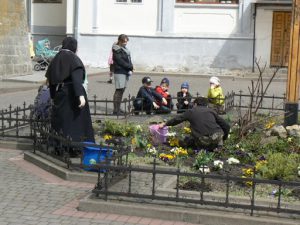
{"points": [[184, 98], [111, 67], [215, 95], [163, 90]]}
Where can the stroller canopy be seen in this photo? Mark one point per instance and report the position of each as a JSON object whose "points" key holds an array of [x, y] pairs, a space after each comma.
{"points": [[42, 48]]}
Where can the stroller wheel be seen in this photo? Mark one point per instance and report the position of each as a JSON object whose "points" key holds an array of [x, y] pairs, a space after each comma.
{"points": [[37, 67]]}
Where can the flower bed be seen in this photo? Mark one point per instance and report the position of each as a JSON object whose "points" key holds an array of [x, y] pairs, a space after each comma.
{"points": [[262, 152]]}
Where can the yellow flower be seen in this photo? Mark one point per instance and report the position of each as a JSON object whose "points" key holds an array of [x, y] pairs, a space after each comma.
{"points": [[107, 137], [260, 164], [133, 141], [174, 142], [187, 130], [248, 172], [270, 124]]}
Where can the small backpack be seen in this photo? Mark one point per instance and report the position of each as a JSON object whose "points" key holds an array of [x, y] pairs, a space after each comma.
{"points": [[42, 104]]}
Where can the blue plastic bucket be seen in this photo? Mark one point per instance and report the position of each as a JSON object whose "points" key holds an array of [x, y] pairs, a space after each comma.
{"points": [[93, 155]]}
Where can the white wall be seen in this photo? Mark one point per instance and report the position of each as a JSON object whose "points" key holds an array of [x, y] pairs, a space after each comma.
{"points": [[49, 14], [264, 20], [70, 16], [116, 18], [206, 18]]}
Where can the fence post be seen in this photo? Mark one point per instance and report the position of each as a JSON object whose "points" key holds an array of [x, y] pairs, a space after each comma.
{"points": [[129, 179], [177, 182], [279, 196], [95, 104], [253, 193], [9, 118], [153, 177], [17, 121]]}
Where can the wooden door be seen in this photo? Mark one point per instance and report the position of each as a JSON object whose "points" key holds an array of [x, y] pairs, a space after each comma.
{"points": [[280, 39]]}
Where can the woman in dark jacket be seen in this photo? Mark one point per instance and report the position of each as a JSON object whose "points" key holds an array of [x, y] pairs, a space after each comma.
{"points": [[122, 70], [70, 111]]}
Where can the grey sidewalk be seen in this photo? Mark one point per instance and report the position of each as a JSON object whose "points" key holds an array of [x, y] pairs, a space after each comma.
{"points": [[32, 196]]}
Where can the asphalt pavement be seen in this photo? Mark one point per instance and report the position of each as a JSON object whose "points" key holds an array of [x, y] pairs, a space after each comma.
{"points": [[19, 89]]}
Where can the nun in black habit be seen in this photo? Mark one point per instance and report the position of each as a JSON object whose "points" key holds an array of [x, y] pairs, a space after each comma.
{"points": [[70, 110]]}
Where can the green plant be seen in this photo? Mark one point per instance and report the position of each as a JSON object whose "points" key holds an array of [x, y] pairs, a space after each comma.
{"points": [[203, 158], [119, 129], [280, 166]]}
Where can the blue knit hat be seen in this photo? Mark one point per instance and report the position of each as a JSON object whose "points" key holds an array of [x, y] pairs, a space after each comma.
{"points": [[185, 85], [165, 81]]}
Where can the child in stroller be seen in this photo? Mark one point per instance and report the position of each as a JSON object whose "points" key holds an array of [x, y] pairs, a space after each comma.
{"points": [[44, 54]]}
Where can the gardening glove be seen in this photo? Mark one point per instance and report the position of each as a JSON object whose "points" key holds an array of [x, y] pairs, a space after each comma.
{"points": [[82, 101], [164, 101], [155, 105]]}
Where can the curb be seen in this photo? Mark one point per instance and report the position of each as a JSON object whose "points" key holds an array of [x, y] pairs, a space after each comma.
{"points": [[59, 170], [175, 213]]}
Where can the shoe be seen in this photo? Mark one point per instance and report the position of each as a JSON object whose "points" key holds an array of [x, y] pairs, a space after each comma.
{"points": [[109, 81], [120, 113]]}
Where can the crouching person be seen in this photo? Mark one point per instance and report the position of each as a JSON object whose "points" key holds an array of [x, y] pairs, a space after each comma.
{"points": [[208, 129], [146, 98]]}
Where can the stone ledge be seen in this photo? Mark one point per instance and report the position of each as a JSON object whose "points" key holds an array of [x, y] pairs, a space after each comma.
{"points": [[59, 171], [177, 213]]}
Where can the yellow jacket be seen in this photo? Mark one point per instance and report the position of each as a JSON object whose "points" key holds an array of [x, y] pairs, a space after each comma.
{"points": [[215, 96]]}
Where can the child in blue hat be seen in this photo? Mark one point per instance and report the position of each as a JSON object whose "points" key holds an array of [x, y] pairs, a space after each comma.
{"points": [[184, 98]]}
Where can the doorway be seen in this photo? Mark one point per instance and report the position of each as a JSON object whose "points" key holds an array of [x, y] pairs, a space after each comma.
{"points": [[281, 30]]}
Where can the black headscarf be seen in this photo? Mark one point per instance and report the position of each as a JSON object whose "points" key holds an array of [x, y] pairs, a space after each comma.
{"points": [[64, 63]]}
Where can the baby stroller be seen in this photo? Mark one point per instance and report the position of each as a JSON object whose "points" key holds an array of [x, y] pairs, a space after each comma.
{"points": [[44, 54]]}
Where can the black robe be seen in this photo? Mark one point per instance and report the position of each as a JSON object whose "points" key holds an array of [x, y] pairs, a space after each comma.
{"points": [[66, 75]]}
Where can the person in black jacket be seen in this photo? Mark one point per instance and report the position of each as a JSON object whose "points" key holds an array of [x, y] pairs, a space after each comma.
{"points": [[146, 98], [184, 98], [209, 130], [70, 113], [122, 70]]}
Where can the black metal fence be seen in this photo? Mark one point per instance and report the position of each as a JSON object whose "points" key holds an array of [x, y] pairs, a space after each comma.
{"points": [[102, 189], [18, 123], [15, 121]]}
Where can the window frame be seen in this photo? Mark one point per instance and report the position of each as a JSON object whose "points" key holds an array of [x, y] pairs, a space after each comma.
{"points": [[200, 2], [48, 1], [128, 2]]}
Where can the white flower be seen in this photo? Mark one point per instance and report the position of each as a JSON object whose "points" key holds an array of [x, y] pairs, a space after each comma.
{"points": [[237, 146], [171, 134], [139, 128], [173, 150], [218, 164], [289, 139], [204, 169], [299, 171], [152, 151], [232, 160]]}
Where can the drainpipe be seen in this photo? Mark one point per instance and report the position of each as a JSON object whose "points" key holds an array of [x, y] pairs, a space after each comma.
{"points": [[254, 38], [75, 19]]}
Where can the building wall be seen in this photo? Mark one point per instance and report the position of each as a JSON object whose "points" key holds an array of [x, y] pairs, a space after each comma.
{"points": [[14, 41], [264, 21], [169, 53], [48, 20], [217, 19]]}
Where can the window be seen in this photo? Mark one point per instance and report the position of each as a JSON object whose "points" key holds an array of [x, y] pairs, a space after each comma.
{"points": [[130, 1], [47, 1], [209, 1]]}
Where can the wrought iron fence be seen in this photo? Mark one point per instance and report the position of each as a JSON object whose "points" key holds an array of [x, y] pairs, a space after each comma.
{"points": [[14, 122], [125, 189], [73, 153]]}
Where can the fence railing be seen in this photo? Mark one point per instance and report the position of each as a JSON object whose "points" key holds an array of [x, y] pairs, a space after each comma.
{"points": [[18, 123], [13, 121], [227, 200]]}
